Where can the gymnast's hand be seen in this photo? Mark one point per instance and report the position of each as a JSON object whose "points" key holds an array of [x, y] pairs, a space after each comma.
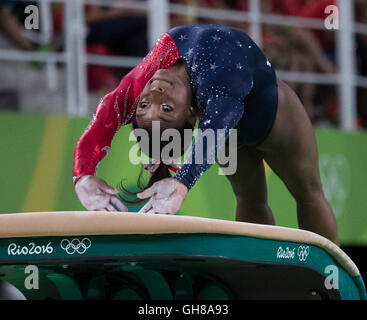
{"points": [[167, 196], [95, 194]]}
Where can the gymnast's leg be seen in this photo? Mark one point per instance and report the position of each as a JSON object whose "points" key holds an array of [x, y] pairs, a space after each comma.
{"points": [[291, 152], [249, 186]]}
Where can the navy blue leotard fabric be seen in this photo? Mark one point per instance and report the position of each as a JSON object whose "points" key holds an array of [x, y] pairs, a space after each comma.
{"points": [[232, 83]]}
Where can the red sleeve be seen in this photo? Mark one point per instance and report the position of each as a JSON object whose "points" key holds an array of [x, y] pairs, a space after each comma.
{"points": [[118, 108], [114, 110]]}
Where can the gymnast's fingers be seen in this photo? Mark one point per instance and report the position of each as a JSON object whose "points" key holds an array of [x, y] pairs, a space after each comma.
{"points": [[110, 207], [146, 208], [119, 206], [147, 193]]}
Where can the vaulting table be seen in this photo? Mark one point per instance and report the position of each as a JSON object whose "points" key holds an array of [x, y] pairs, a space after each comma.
{"points": [[104, 255]]}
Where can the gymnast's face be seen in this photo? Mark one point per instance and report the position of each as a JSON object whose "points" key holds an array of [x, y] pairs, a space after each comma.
{"points": [[166, 98]]}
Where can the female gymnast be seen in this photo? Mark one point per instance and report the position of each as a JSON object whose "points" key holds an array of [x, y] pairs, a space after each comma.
{"points": [[218, 75]]}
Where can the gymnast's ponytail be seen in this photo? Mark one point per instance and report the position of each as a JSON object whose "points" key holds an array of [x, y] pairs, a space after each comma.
{"points": [[160, 173]]}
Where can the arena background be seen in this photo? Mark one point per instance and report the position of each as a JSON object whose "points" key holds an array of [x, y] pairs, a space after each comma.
{"points": [[52, 78]]}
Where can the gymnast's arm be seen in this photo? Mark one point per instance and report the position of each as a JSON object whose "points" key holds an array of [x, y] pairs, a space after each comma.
{"points": [[94, 193], [221, 116]]}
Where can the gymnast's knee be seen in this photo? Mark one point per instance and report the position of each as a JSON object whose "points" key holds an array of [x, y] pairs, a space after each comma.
{"points": [[250, 203], [311, 197], [251, 200], [252, 207]]}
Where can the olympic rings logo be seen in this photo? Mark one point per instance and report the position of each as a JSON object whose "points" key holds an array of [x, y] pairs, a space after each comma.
{"points": [[75, 245], [303, 252], [336, 179]]}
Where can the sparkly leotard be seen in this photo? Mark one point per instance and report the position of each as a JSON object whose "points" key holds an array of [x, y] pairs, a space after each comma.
{"points": [[231, 80]]}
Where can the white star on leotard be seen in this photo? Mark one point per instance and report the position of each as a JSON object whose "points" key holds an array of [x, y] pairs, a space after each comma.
{"points": [[106, 148], [190, 51], [239, 66], [239, 44], [216, 38], [213, 66], [183, 37]]}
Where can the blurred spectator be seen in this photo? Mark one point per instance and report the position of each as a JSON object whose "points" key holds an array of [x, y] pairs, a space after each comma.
{"points": [[113, 31], [191, 17], [11, 28], [12, 33], [121, 30], [297, 49], [311, 9]]}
